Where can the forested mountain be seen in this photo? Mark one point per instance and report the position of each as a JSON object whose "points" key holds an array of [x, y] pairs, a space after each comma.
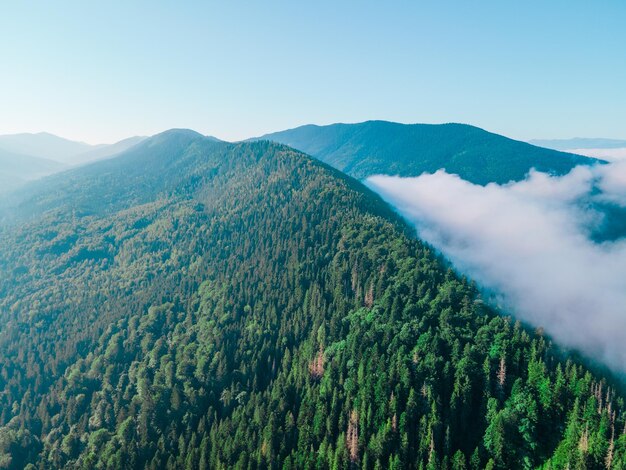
{"points": [[199, 304], [139, 175], [380, 147]]}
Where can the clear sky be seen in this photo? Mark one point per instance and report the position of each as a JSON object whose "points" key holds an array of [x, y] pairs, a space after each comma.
{"points": [[102, 71]]}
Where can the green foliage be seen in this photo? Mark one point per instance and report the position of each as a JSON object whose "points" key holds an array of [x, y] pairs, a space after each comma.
{"points": [[242, 306]]}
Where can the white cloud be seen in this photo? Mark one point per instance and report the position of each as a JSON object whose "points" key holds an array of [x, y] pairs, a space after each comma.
{"points": [[612, 182], [528, 242]]}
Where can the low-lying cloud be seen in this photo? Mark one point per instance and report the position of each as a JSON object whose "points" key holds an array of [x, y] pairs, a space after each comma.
{"points": [[529, 242]]}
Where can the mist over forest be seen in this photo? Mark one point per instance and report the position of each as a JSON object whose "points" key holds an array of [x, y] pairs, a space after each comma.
{"points": [[535, 244]]}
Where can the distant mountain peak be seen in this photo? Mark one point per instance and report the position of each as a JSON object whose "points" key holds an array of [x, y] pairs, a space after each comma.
{"points": [[184, 133]]}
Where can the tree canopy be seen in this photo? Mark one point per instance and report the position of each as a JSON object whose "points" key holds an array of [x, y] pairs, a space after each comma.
{"points": [[197, 304]]}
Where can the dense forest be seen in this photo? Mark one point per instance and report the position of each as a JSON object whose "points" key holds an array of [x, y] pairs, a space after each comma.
{"points": [[198, 304], [390, 148]]}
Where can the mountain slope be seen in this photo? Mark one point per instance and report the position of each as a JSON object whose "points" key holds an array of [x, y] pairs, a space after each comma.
{"points": [[105, 151], [68, 152], [16, 169], [214, 305], [26, 157], [136, 177], [44, 145], [380, 147]]}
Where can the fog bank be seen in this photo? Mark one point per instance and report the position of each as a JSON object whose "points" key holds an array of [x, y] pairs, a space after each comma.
{"points": [[528, 241]]}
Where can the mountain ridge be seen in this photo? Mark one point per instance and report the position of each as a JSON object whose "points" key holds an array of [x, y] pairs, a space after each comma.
{"points": [[68, 151], [140, 161], [44, 145], [384, 147], [41, 154]]}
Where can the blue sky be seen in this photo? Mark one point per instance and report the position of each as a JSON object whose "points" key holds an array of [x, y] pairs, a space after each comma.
{"points": [[103, 71]]}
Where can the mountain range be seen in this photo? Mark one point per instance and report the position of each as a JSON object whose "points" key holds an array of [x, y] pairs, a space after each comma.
{"points": [[192, 303], [26, 157], [360, 150]]}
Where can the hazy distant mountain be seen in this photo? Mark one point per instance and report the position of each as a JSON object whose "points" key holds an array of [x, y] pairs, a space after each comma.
{"points": [[25, 157], [26, 166], [44, 145], [579, 143], [52, 147], [16, 169], [134, 177], [380, 147], [99, 152]]}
